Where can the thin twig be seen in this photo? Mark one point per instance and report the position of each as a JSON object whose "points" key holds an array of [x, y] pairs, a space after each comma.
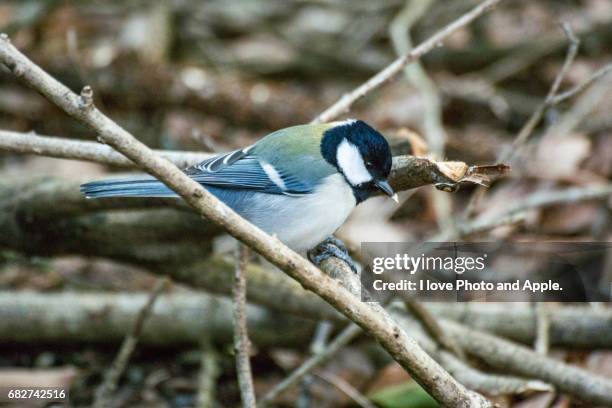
{"points": [[477, 226], [589, 100], [432, 111], [319, 340], [513, 214], [430, 324], [64, 148], [104, 394], [542, 341], [360, 399], [242, 345], [537, 115], [209, 372], [535, 118], [600, 73], [318, 343], [346, 336], [402, 43], [344, 104]]}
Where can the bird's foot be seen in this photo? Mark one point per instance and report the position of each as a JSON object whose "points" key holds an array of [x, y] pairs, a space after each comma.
{"points": [[331, 247]]}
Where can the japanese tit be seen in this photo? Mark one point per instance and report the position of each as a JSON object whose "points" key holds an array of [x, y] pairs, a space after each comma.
{"points": [[299, 183]]}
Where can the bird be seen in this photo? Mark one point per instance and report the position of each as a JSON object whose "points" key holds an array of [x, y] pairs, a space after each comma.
{"points": [[299, 183]]}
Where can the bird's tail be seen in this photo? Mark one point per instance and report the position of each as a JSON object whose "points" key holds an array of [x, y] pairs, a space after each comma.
{"points": [[130, 187]]}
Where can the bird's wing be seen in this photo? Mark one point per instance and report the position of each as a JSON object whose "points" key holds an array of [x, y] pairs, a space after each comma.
{"points": [[272, 165], [244, 170]]}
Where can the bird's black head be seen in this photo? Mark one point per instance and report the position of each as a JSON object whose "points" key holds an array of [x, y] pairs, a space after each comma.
{"points": [[361, 155]]}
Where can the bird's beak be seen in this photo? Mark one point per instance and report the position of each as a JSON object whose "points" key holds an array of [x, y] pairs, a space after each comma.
{"points": [[384, 186]]}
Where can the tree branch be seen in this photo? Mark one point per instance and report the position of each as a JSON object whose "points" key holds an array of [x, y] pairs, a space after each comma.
{"points": [[487, 383], [64, 148], [142, 238], [570, 93], [209, 372], [346, 388], [104, 393], [513, 358], [345, 337], [550, 99], [538, 199], [542, 341], [344, 104], [242, 344], [106, 318], [430, 375]]}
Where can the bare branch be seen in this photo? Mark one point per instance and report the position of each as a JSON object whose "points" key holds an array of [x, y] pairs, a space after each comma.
{"points": [[427, 372], [600, 73], [537, 115], [433, 328], [341, 340], [520, 360], [177, 319], [346, 388], [572, 51], [432, 105], [487, 383], [104, 393], [511, 214], [317, 344], [242, 345], [209, 372], [63, 148], [344, 104], [490, 383], [402, 42], [542, 340]]}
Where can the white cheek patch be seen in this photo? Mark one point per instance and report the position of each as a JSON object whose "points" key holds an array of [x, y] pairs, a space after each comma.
{"points": [[351, 163]]}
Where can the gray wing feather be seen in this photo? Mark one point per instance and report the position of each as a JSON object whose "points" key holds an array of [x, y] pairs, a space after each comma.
{"points": [[236, 170], [218, 162]]}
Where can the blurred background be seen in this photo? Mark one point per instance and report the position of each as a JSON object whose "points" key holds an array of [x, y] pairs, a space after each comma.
{"points": [[217, 75]]}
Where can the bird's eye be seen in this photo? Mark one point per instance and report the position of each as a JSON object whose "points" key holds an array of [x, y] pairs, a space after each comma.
{"points": [[368, 164]]}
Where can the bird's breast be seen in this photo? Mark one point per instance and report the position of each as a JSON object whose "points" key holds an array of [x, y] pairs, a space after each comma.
{"points": [[303, 221], [300, 221], [320, 214]]}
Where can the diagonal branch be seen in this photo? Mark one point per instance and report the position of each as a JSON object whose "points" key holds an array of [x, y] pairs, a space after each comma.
{"points": [[595, 76], [551, 97], [520, 360], [344, 104], [403, 348], [512, 213], [104, 394]]}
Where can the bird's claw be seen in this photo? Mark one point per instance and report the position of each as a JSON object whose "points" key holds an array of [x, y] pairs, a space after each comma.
{"points": [[331, 247]]}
